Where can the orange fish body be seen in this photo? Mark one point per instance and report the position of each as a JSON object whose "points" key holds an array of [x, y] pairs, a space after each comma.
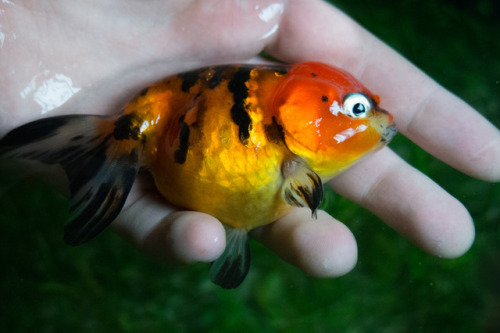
{"points": [[204, 160], [243, 143]]}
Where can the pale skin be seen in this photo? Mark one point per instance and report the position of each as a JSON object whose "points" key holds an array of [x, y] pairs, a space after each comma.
{"points": [[111, 49]]}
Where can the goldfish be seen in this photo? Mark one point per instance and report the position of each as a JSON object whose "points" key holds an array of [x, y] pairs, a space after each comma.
{"points": [[244, 143]]}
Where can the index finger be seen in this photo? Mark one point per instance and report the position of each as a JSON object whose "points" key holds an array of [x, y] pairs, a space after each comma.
{"points": [[424, 111]]}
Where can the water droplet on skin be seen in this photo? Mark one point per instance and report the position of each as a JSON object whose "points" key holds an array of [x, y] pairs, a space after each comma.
{"points": [[268, 13], [52, 92]]}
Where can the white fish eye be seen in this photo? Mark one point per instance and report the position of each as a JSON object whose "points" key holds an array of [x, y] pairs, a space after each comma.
{"points": [[357, 105]]}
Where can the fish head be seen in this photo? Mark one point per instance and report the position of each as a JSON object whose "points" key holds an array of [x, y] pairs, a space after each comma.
{"points": [[329, 118]]}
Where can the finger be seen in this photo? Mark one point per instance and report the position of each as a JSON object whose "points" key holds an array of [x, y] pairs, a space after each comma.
{"points": [[323, 247], [410, 203], [166, 233], [429, 115]]}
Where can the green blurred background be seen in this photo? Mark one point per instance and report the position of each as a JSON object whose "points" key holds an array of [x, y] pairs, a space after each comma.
{"points": [[107, 286]]}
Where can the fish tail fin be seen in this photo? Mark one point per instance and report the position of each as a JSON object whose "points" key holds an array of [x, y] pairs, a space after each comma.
{"points": [[100, 169], [231, 268]]}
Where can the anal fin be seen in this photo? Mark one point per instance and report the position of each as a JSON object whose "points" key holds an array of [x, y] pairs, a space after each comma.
{"points": [[302, 187], [231, 268]]}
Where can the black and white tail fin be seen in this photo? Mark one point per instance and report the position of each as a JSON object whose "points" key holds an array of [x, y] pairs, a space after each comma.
{"points": [[99, 169], [231, 268]]}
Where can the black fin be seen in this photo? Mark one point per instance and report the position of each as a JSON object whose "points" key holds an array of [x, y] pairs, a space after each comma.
{"points": [[100, 177], [302, 187], [231, 268]]}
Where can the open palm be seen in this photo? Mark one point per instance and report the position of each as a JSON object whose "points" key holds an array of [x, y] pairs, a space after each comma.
{"points": [[60, 57]]}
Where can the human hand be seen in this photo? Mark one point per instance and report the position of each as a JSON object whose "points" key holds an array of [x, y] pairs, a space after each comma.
{"points": [[114, 49]]}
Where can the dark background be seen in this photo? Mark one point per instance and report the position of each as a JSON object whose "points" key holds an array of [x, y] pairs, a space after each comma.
{"points": [[107, 286]]}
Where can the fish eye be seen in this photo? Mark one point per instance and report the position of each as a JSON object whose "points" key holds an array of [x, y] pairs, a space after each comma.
{"points": [[357, 105]]}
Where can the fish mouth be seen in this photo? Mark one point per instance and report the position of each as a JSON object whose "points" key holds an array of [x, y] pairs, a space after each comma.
{"points": [[389, 132]]}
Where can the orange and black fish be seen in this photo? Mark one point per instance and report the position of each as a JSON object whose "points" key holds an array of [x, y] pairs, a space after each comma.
{"points": [[243, 143]]}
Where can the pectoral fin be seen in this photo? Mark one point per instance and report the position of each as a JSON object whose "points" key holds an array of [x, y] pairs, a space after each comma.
{"points": [[231, 268], [302, 187]]}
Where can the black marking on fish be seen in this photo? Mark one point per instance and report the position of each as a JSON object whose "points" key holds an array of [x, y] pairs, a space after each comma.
{"points": [[280, 69], [231, 268], [314, 74], [181, 153], [99, 200], [324, 98], [217, 76], [73, 231], [144, 92], [290, 198], [76, 138], [314, 199], [197, 96], [127, 127], [81, 173], [303, 188], [99, 182], [189, 79], [34, 131], [376, 107], [239, 113], [274, 132], [230, 275]]}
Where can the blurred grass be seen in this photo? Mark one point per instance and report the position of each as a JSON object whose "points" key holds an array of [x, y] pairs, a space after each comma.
{"points": [[107, 286]]}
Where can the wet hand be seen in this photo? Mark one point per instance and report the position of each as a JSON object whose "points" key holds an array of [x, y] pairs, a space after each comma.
{"points": [[116, 52]]}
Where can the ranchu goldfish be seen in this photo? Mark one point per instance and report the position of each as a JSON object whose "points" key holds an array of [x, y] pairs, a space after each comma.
{"points": [[244, 143]]}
